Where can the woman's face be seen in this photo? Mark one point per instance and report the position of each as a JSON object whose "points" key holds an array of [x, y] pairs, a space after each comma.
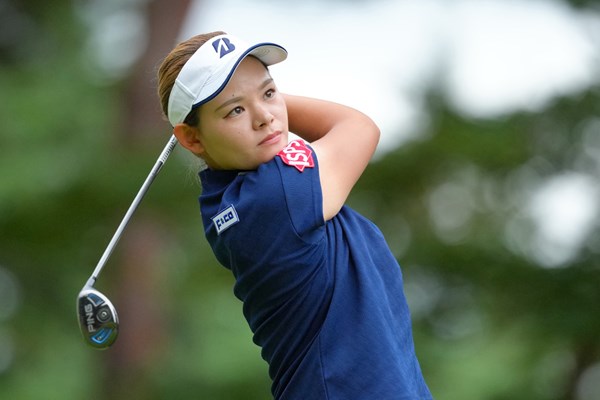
{"points": [[246, 124]]}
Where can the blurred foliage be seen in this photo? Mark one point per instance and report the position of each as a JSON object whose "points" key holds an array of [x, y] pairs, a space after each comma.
{"points": [[491, 322]]}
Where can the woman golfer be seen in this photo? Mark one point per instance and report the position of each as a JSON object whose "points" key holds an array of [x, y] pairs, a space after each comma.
{"points": [[321, 291]]}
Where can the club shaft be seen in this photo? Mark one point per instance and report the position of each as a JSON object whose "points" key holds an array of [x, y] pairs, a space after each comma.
{"points": [[136, 201]]}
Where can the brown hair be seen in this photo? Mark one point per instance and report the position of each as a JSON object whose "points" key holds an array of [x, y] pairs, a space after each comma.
{"points": [[172, 64]]}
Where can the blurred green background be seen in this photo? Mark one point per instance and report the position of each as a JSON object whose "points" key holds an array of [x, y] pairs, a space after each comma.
{"points": [[500, 312]]}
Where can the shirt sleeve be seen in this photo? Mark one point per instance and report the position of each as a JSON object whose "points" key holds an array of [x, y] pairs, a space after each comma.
{"points": [[303, 195]]}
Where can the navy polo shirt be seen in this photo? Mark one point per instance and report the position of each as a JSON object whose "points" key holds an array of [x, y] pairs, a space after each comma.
{"points": [[324, 300]]}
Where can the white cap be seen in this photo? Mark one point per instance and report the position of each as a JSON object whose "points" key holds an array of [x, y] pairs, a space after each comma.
{"points": [[209, 69]]}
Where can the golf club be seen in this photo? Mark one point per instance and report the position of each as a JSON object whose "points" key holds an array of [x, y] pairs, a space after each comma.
{"points": [[98, 319]]}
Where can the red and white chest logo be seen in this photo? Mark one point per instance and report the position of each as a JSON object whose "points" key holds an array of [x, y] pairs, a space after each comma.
{"points": [[297, 154]]}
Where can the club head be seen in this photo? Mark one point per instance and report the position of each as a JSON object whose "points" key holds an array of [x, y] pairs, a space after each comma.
{"points": [[98, 318]]}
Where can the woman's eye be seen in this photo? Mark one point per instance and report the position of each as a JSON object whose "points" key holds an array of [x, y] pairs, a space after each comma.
{"points": [[235, 111], [270, 93]]}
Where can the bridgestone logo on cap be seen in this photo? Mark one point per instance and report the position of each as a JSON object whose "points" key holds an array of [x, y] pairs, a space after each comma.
{"points": [[223, 47]]}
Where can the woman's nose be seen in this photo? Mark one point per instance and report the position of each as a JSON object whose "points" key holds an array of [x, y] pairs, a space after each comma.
{"points": [[263, 117]]}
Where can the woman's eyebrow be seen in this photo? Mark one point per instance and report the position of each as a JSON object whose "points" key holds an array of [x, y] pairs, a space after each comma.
{"points": [[266, 82], [228, 102]]}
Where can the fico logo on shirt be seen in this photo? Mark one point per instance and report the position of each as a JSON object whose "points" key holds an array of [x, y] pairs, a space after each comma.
{"points": [[298, 155], [225, 219]]}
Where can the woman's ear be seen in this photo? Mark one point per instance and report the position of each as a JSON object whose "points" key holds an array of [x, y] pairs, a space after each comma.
{"points": [[188, 137]]}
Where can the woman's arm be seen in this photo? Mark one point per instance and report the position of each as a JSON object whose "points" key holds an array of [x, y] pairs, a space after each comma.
{"points": [[344, 140]]}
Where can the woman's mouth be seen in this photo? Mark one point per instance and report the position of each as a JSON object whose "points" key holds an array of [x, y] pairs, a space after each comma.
{"points": [[271, 138]]}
